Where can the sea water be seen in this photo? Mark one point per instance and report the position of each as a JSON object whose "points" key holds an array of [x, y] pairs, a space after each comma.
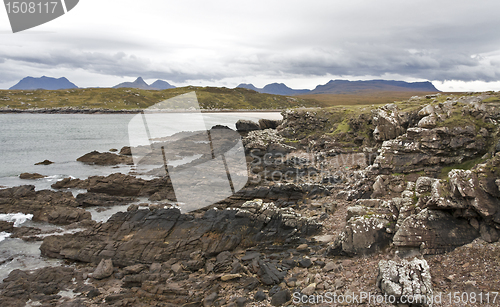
{"points": [[26, 139]]}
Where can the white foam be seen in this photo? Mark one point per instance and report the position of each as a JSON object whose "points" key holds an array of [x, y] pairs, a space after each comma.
{"points": [[17, 218], [4, 235]]}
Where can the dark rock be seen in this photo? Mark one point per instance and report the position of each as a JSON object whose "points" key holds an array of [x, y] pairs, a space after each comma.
{"points": [[101, 199], [6, 226], [105, 158], [44, 162], [70, 183], [134, 269], [126, 151], [269, 274], [281, 298], [260, 296], [249, 255], [46, 206], [250, 283], [305, 263], [269, 123], [120, 185], [93, 293], [488, 233], [210, 299], [31, 176], [241, 301], [140, 236], [246, 125], [43, 282]]}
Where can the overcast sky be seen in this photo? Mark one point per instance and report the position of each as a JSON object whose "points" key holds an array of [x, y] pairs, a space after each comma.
{"points": [[454, 44]]}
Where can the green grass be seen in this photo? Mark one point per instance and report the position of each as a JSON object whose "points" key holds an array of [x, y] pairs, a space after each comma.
{"points": [[210, 98], [342, 127], [466, 165]]}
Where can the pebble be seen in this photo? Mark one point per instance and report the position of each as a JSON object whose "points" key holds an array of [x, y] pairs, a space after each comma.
{"points": [[309, 289], [305, 263], [260, 296], [230, 277], [302, 247]]}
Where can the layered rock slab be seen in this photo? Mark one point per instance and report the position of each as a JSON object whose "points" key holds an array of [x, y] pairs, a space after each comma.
{"points": [[144, 236]]}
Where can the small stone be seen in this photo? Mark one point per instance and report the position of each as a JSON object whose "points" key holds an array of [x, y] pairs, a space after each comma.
{"points": [[281, 297], [134, 269], [210, 299], [44, 162], [302, 247], [339, 283], [230, 277], [305, 263], [309, 290], [330, 266], [241, 301], [104, 269], [260, 296], [155, 268], [177, 267]]}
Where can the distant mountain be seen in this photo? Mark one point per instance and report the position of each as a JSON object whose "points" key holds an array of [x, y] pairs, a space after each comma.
{"points": [[141, 84], [161, 85], [281, 89], [45, 83], [275, 89], [346, 86], [138, 83], [248, 86]]}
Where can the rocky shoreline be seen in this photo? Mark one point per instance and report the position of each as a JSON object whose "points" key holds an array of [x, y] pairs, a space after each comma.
{"points": [[70, 110], [401, 200]]}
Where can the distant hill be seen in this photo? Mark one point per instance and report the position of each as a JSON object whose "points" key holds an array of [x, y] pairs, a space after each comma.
{"points": [[248, 86], [45, 83], [141, 84], [346, 86], [161, 85], [138, 83], [274, 88]]}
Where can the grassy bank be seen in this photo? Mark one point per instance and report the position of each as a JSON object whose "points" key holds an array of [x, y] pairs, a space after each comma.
{"points": [[210, 98]]}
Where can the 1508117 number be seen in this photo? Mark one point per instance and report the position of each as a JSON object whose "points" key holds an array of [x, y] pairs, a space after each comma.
{"points": [[20, 7]]}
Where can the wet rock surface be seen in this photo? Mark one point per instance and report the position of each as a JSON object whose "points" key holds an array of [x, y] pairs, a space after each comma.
{"points": [[104, 158], [145, 236], [46, 206]]}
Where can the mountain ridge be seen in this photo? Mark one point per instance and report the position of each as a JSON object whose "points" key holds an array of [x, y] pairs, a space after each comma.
{"points": [[44, 82], [346, 86], [139, 83]]}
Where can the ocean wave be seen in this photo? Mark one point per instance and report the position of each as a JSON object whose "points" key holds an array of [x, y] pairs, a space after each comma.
{"points": [[17, 218]]}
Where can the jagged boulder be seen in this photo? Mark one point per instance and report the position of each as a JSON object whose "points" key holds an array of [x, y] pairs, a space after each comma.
{"points": [[389, 122], [104, 158], [264, 141], [408, 279], [422, 149], [269, 123], [434, 232], [246, 125], [368, 230]]}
